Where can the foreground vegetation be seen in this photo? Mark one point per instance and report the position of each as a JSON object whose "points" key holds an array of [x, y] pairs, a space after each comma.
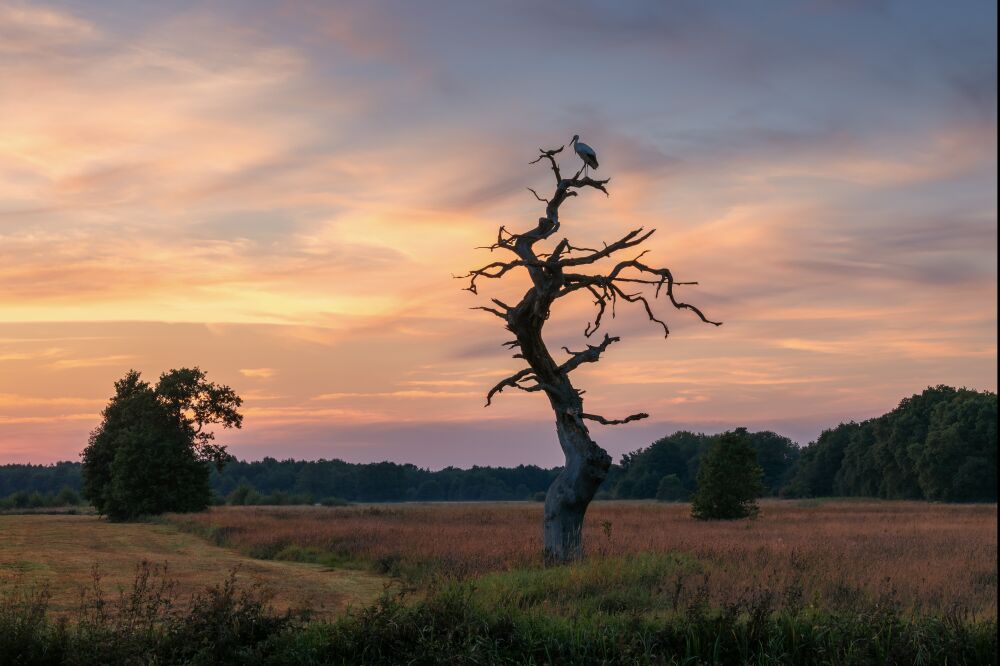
{"points": [[508, 622], [807, 582]]}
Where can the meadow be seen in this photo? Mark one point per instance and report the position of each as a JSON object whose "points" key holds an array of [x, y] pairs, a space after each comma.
{"points": [[807, 582], [925, 558]]}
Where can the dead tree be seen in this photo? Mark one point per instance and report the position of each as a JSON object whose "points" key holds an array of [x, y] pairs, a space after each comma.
{"points": [[554, 275]]}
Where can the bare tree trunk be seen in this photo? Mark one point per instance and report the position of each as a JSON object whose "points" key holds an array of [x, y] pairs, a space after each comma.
{"points": [[572, 491]]}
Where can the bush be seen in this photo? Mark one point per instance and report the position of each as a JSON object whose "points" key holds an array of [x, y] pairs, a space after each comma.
{"points": [[729, 480]]}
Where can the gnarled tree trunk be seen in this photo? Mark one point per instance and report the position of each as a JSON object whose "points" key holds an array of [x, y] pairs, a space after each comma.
{"points": [[586, 463], [569, 495]]}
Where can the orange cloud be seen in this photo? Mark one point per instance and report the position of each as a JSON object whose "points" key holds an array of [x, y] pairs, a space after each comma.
{"points": [[284, 200]]}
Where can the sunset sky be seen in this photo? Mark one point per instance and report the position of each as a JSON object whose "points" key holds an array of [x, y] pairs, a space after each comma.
{"points": [[281, 192]]}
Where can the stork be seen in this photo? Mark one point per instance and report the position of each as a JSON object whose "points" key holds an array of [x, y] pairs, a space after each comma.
{"points": [[586, 153]]}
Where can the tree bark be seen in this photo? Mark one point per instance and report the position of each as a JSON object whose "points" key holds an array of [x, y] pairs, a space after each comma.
{"points": [[570, 494], [587, 463]]}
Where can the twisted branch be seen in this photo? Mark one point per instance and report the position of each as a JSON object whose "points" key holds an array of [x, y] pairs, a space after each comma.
{"points": [[515, 381], [589, 355], [550, 155], [604, 421]]}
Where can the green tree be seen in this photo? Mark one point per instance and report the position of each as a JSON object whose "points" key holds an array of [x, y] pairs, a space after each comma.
{"points": [[729, 479], [671, 489], [151, 453], [958, 461], [776, 456]]}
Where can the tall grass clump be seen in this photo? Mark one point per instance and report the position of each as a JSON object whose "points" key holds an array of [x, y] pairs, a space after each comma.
{"points": [[455, 626], [602, 612], [146, 623]]}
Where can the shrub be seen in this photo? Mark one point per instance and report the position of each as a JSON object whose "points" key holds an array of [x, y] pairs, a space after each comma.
{"points": [[729, 480]]}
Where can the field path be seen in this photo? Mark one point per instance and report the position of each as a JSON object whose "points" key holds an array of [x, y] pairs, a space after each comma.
{"points": [[61, 551]]}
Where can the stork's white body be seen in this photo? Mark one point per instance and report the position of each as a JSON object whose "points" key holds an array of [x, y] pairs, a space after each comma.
{"points": [[586, 153]]}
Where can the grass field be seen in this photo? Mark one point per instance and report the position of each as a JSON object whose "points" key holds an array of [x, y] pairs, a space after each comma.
{"points": [[817, 582], [61, 551], [829, 554]]}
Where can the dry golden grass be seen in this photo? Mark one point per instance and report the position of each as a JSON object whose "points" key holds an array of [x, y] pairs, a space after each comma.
{"points": [[927, 557], [61, 551]]}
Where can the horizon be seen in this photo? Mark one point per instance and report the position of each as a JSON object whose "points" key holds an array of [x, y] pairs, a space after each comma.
{"points": [[282, 194]]}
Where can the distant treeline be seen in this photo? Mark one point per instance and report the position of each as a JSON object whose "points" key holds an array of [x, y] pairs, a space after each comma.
{"points": [[668, 469], [378, 482], [938, 445]]}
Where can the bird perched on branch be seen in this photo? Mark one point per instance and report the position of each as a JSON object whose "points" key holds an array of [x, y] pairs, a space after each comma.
{"points": [[586, 153]]}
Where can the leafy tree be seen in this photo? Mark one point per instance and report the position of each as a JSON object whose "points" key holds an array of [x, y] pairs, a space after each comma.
{"points": [[671, 489], [958, 461], [939, 445], [859, 474], [819, 463], [729, 479], [151, 452], [776, 456], [676, 454], [899, 439]]}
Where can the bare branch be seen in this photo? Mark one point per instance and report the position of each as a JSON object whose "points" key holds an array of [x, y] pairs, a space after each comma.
{"points": [[666, 280], [586, 181], [631, 239], [515, 381], [639, 298], [491, 311], [550, 155], [502, 243], [540, 198], [589, 355], [493, 270], [605, 288], [604, 421]]}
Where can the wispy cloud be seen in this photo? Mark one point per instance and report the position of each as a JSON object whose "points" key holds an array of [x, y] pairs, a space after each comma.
{"points": [[282, 197], [258, 373]]}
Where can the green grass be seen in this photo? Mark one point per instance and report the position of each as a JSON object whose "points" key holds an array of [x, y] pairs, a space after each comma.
{"points": [[461, 624]]}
